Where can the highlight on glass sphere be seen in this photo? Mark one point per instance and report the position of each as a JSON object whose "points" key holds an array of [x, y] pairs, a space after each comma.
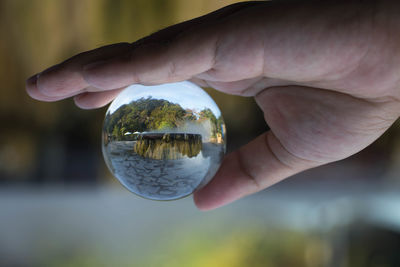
{"points": [[165, 141]]}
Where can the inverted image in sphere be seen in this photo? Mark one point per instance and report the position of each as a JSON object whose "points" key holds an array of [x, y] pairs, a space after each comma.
{"points": [[165, 141]]}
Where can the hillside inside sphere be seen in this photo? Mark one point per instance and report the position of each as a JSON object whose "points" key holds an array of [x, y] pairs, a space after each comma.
{"points": [[165, 141]]}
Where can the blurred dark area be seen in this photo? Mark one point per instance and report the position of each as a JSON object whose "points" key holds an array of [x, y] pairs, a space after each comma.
{"points": [[48, 148]]}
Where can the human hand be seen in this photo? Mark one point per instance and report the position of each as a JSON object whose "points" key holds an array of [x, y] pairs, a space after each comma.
{"points": [[325, 74]]}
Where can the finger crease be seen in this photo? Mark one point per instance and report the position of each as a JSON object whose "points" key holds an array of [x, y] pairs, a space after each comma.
{"points": [[274, 155], [310, 163], [245, 170]]}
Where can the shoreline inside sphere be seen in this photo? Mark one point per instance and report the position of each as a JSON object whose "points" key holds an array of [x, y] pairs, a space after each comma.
{"points": [[163, 142]]}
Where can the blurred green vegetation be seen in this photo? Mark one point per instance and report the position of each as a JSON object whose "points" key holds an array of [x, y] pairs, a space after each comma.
{"points": [[252, 247], [255, 247], [143, 115], [357, 244], [147, 115]]}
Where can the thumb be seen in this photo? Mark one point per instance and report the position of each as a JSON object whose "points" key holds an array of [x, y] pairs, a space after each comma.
{"points": [[254, 167]]}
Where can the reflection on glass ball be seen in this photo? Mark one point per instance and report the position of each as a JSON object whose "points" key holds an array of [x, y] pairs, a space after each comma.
{"points": [[163, 142]]}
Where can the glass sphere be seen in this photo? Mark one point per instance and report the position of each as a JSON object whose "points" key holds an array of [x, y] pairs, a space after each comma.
{"points": [[165, 141]]}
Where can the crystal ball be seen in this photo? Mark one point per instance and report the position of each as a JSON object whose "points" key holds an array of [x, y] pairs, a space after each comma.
{"points": [[165, 141]]}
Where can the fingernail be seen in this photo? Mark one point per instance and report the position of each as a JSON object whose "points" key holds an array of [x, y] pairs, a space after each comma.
{"points": [[32, 80], [94, 65]]}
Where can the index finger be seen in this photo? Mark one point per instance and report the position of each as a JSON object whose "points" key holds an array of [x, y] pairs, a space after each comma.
{"points": [[67, 79], [259, 164]]}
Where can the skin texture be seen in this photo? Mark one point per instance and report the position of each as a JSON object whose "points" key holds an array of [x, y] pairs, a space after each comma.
{"points": [[325, 74]]}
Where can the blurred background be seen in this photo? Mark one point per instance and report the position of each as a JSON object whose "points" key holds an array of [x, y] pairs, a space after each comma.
{"points": [[60, 206]]}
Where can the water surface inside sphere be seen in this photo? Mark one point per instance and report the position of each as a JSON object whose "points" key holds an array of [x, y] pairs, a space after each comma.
{"points": [[163, 142]]}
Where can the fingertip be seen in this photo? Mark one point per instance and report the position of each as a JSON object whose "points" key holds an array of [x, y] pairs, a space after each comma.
{"points": [[60, 81], [79, 103], [46, 84], [33, 92], [93, 99], [30, 85], [85, 101], [31, 80], [201, 203], [44, 81]]}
